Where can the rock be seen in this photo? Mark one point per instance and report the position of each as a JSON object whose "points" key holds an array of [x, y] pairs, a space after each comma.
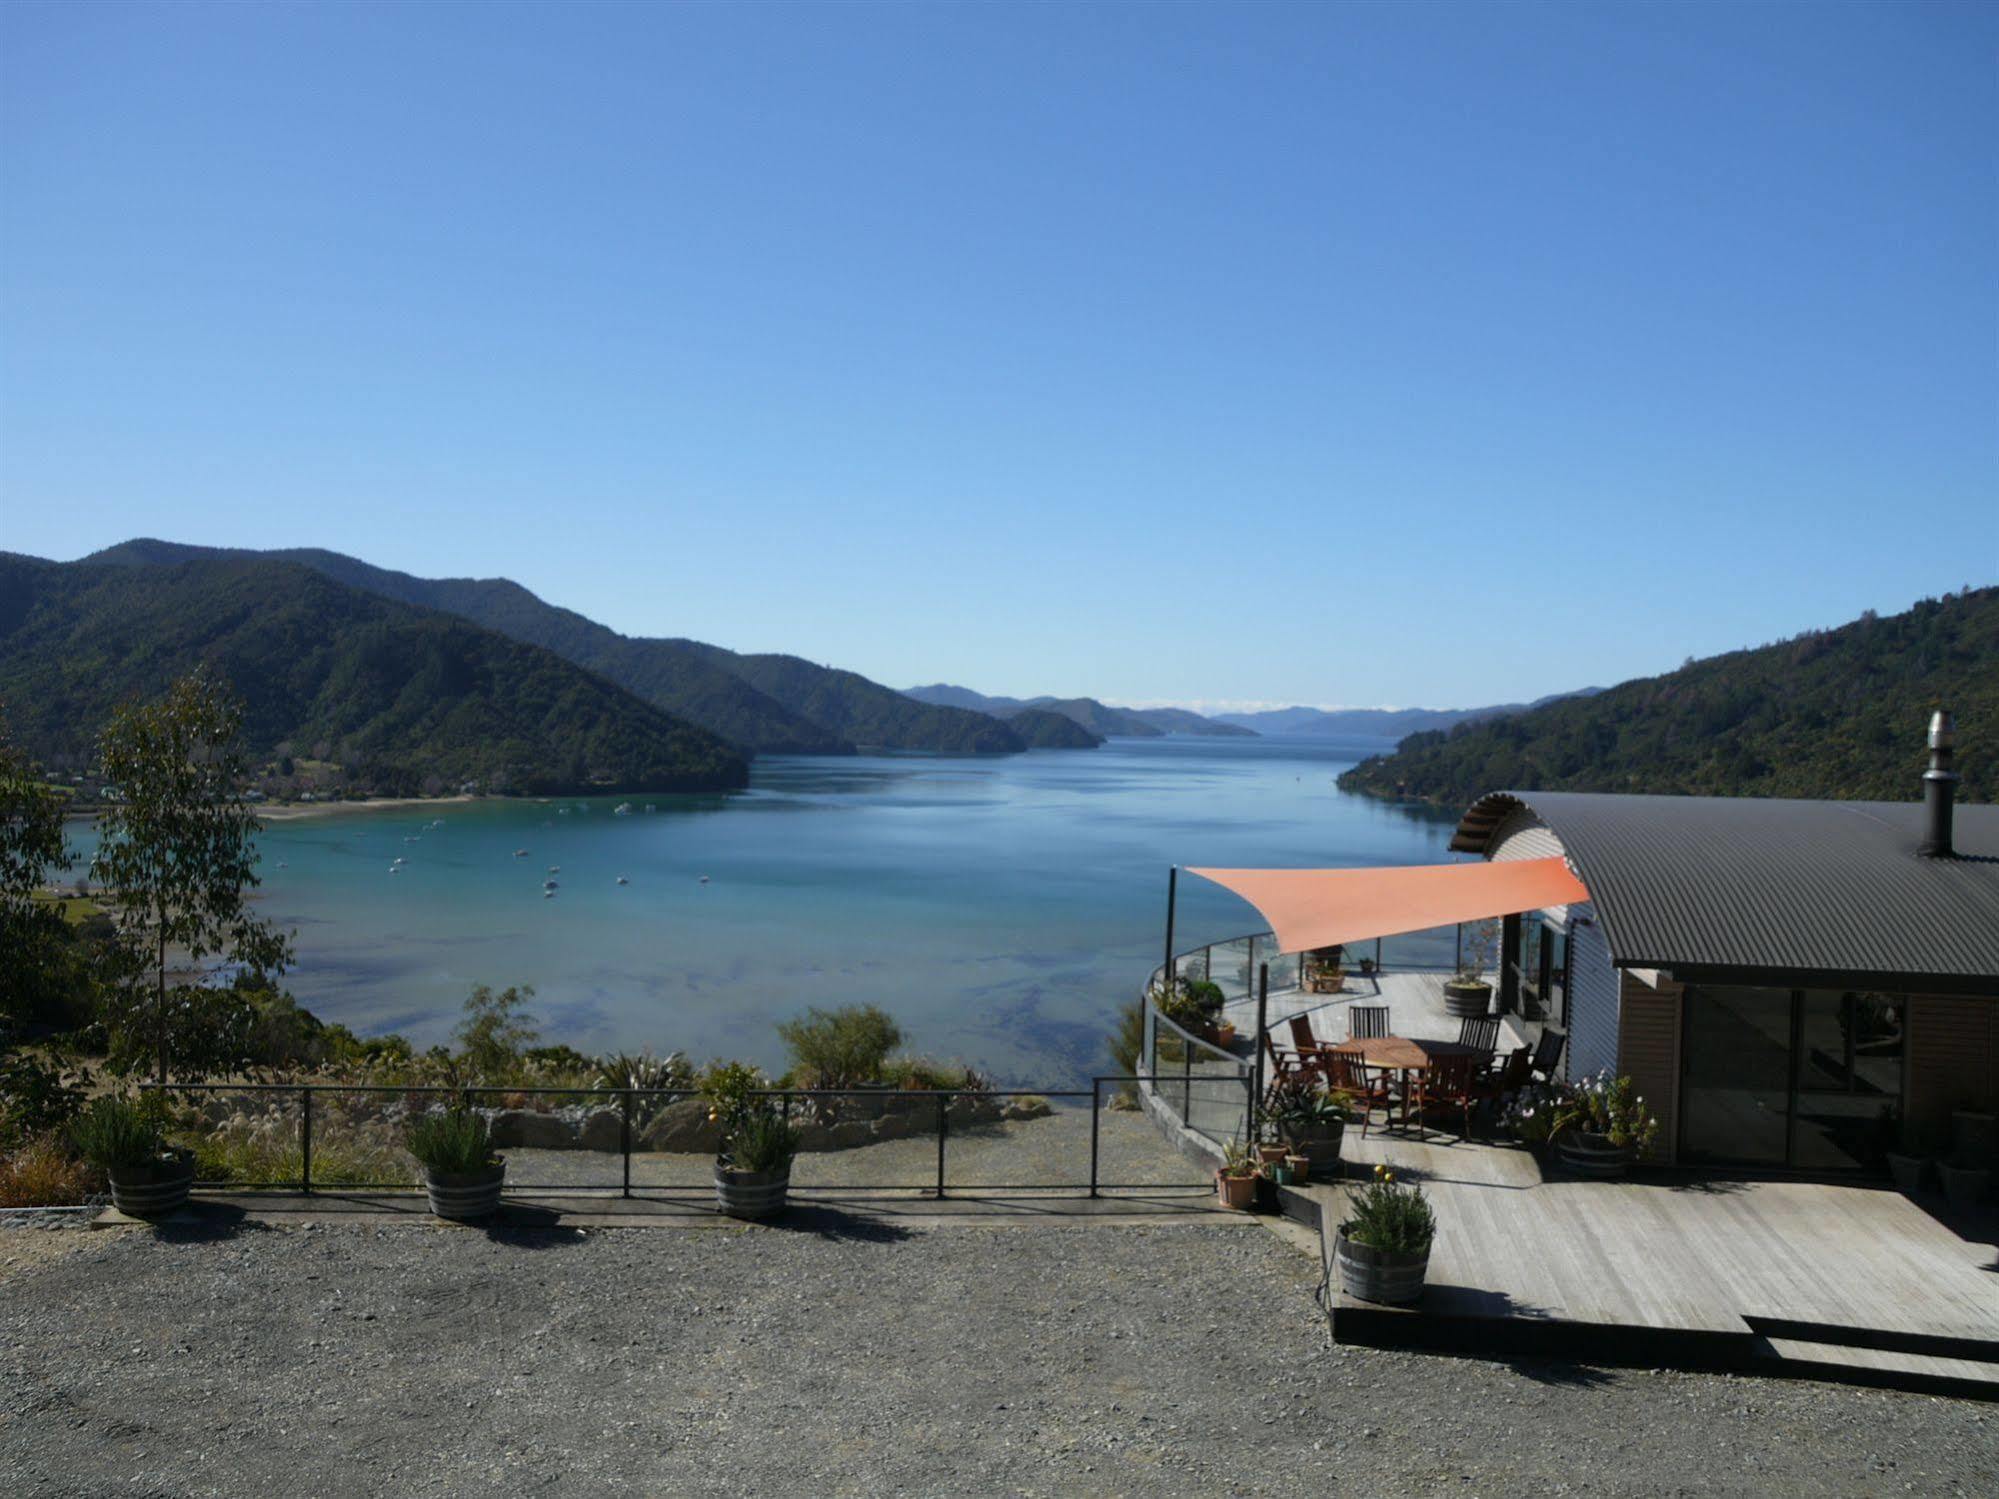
{"points": [[682, 1128], [1028, 1108], [603, 1129], [522, 1130]]}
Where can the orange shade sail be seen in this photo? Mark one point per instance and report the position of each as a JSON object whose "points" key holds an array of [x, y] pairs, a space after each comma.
{"points": [[1310, 908]]}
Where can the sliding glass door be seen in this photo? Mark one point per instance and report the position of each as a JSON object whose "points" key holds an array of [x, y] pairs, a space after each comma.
{"points": [[1806, 1079]]}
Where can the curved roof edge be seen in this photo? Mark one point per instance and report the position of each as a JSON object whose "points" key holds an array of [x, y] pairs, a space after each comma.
{"points": [[1482, 819]]}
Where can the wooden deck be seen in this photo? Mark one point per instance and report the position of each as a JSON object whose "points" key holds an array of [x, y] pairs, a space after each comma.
{"points": [[1415, 1008], [1779, 1276]]}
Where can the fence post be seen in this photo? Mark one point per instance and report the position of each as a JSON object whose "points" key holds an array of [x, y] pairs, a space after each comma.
{"points": [[1166, 974], [1256, 1052], [1186, 1080], [943, 1125], [305, 1141], [625, 1139], [1096, 1095]]}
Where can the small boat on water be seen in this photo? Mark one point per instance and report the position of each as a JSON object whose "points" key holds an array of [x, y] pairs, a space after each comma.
{"points": [[281, 863], [548, 895], [704, 879], [624, 879], [548, 885], [395, 869], [623, 809], [555, 869], [652, 806], [520, 853]]}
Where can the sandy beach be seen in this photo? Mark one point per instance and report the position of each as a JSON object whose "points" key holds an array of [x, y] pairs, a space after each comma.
{"points": [[293, 811]]}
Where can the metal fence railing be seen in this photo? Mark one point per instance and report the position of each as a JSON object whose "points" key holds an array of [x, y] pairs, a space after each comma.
{"points": [[1208, 1089], [319, 1137]]}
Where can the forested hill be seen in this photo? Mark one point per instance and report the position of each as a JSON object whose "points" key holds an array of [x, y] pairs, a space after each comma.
{"points": [[404, 699], [865, 712], [682, 682], [1833, 713], [1041, 729]]}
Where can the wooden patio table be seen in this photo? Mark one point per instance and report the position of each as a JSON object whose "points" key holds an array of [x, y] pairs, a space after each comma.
{"points": [[1403, 1055]]}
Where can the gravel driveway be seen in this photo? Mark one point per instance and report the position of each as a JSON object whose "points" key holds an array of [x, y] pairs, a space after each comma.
{"points": [[857, 1360]]}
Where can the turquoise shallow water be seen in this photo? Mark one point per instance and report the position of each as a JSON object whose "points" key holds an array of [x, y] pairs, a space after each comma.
{"points": [[1001, 908]]}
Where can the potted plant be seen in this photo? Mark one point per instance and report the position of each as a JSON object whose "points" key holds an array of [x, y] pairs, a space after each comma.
{"points": [[1529, 1113], [462, 1174], [1367, 968], [149, 1179], [1301, 1167], [1965, 1182], [1235, 1181], [1311, 1121], [753, 1168], [1383, 1248], [1270, 1152], [1600, 1126], [1279, 1171], [1468, 993], [1224, 1033]]}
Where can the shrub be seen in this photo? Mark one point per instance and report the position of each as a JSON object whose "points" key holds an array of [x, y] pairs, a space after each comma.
{"points": [[728, 1088], [940, 1077], [454, 1143], [762, 1139], [38, 1097], [648, 1076], [496, 1030], [1389, 1215], [115, 1132], [840, 1048], [1126, 1045], [43, 1172]]}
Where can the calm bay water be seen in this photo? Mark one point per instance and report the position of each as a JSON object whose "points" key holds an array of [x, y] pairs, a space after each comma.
{"points": [[1001, 908]]}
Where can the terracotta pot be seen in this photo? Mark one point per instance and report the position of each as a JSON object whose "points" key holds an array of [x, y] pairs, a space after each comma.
{"points": [[1236, 1192]]}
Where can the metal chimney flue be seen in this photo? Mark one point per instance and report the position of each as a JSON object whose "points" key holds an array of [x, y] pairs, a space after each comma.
{"points": [[1939, 788]]}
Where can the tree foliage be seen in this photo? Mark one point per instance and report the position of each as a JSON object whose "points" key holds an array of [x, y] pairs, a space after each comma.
{"points": [[1832, 713], [177, 855], [33, 942]]}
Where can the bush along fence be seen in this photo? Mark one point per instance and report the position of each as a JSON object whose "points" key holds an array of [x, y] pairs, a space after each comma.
{"points": [[319, 1137]]}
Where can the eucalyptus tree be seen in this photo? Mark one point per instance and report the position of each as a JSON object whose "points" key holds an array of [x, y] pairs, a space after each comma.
{"points": [[177, 854]]}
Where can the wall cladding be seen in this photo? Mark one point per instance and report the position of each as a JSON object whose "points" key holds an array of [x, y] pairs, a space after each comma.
{"points": [[1649, 1053]]}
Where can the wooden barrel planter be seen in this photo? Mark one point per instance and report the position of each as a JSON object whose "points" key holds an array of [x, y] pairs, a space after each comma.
{"points": [[1583, 1154], [751, 1194], [154, 1189], [1467, 999], [1321, 1146], [1390, 1276], [465, 1197]]}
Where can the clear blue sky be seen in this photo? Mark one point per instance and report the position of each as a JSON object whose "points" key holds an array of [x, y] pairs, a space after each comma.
{"points": [[1332, 353]]}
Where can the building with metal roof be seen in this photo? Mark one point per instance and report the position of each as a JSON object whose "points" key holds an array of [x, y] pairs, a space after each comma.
{"points": [[1794, 985]]}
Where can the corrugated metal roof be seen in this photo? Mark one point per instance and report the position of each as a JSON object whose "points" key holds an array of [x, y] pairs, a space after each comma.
{"points": [[1742, 882]]}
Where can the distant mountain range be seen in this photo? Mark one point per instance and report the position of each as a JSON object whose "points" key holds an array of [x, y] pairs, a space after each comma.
{"points": [[1833, 713], [1379, 723], [763, 703], [404, 700], [1099, 719]]}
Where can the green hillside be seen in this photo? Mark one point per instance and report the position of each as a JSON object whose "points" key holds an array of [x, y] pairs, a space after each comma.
{"points": [[1833, 713], [682, 682], [1041, 729], [863, 711], [402, 698]]}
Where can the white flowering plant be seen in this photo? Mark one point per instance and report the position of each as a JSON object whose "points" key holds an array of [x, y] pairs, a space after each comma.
{"points": [[1607, 1106]]}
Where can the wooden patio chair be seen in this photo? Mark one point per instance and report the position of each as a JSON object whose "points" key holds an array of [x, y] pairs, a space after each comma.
{"points": [[1481, 1031], [1364, 1021], [1548, 1054], [1449, 1083], [1347, 1073], [1301, 1033], [1282, 1063]]}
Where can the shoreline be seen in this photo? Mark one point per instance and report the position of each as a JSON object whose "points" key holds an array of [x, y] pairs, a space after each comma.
{"points": [[297, 811]]}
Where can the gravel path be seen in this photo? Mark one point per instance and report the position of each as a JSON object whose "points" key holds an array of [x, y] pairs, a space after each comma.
{"points": [[956, 1360]]}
